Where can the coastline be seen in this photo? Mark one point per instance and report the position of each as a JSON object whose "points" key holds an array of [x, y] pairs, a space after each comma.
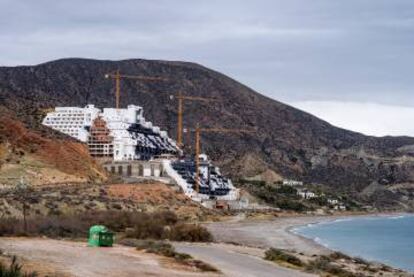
{"points": [[276, 232], [292, 230], [280, 233], [331, 219], [267, 233]]}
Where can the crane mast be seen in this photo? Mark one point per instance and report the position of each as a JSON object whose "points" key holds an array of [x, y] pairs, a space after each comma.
{"points": [[117, 76], [198, 132], [181, 98]]}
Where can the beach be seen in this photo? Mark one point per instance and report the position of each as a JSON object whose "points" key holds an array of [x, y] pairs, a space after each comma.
{"points": [[280, 233], [271, 233]]}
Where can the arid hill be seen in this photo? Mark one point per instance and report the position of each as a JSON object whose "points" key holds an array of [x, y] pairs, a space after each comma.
{"points": [[42, 159], [288, 141]]}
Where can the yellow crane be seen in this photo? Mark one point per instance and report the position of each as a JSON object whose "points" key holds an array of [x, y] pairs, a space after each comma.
{"points": [[118, 76], [198, 132], [181, 98]]}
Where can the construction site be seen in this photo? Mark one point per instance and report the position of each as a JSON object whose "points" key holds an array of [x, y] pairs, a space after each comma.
{"points": [[132, 148]]}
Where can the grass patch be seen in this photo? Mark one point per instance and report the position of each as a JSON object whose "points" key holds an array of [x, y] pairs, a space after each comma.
{"points": [[278, 255], [167, 250]]}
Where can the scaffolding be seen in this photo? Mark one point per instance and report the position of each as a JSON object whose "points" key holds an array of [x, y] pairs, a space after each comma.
{"points": [[100, 142]]}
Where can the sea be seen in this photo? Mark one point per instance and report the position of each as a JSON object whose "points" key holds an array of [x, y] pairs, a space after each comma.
{"points": [[385, 239]]}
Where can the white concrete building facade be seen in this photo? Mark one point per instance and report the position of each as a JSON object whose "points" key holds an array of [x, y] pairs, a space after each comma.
{"points": [[122, 133]]}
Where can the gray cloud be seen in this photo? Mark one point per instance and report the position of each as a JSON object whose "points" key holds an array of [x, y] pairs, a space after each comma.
{"points": [[296, 50], [368, 118]]}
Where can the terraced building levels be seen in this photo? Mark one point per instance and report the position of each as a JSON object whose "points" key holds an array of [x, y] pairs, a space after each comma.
{"points": [[122, 134]]}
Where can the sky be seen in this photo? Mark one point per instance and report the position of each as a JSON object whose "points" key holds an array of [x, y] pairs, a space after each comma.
{"points": [[349, 62]]}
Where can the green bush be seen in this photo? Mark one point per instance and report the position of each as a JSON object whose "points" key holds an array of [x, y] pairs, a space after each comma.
{"points": [[278, 255], [287, 190], [283, 197], [287, 204], [320, 201]]}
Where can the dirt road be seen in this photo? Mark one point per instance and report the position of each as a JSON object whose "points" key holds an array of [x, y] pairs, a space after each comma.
{"points": [[65, 258], [237, 260]]}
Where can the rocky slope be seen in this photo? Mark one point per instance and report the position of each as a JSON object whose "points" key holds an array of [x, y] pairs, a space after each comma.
{"points": [[288, 141]]}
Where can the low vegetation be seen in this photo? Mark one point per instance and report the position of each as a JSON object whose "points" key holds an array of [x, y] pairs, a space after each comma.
{"points": [[325, 264], [139, 225], [283, 197], [335, 264], [286, 197], [167, 250], [14, 270], [277, 255]]}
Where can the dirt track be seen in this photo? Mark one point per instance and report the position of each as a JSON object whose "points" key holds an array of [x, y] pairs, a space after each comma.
{"points": [[66, 258]]}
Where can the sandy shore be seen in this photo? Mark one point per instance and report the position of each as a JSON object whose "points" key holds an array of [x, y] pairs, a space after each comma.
{"points": [[272, 233], [279, 233]]}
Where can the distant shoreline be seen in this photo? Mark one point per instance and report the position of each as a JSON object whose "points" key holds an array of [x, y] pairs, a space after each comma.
{"points": [[279, 233], [332, 219]]}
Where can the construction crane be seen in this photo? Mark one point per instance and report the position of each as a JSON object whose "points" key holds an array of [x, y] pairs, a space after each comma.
{"points": [[198, 132], [118, 76], [180, 97]]}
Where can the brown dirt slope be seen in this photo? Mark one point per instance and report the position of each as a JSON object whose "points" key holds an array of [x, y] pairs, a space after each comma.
{"points": [[25, 152]]}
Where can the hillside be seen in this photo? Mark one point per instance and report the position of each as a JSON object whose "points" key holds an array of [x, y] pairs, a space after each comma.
{"points": [[288, 141], [42, 159]]}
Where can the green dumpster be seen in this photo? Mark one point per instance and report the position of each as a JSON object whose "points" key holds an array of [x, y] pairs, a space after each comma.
{"points": [[100, 236]]}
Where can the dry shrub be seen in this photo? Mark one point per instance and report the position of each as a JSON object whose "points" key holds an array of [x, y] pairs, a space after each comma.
{"points": [[10, 226], [190, 232], [324, 264], [139, 225], [151, 246], [14, 270], [338, 255], [152, 225], [278, 255], [166, 249]]}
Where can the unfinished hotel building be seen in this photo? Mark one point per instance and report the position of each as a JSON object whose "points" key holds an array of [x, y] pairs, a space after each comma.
{"points": [[132, 146]]}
